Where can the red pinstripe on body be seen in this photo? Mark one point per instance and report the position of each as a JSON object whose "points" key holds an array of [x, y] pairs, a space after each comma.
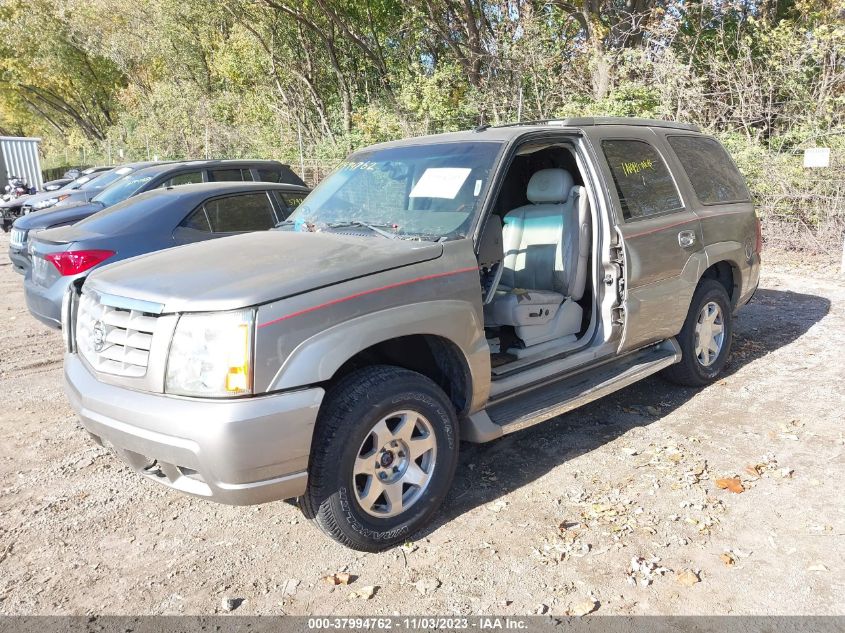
{"points": [[369, 292], [669, 226]]}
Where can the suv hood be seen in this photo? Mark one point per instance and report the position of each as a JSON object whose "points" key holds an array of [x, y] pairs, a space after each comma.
{"points": [[245, 270], [65, 214]]}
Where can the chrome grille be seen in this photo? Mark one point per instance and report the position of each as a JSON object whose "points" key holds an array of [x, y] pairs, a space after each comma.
{"points": [[17, 238], [113, 340]]}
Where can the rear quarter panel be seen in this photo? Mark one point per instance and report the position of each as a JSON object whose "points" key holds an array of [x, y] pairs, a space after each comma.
{"points": [[728, 232]]}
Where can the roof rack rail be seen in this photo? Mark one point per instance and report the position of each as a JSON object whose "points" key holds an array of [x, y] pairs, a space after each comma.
{"points": [[601, 120]]}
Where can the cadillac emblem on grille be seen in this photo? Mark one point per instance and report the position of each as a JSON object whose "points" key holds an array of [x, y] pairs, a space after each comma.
{"points": [[98, 336]]}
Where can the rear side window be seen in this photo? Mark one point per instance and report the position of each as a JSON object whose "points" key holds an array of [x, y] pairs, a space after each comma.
{"points": [[292, 200], [236, 214], [197, 221], [268, 175], [183, 179], [710, 170], [230, 175], [642, 180]]}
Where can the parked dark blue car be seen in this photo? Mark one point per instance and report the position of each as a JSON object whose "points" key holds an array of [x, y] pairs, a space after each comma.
{"points": [[149, 222]]}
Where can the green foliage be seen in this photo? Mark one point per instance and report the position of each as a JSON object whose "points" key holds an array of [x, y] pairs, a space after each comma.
{"points": [[190, 78]]}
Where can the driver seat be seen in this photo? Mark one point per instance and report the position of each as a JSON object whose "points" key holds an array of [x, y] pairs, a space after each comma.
{"points": [[546, 254]]}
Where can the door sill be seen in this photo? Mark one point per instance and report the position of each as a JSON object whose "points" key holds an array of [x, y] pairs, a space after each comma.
{"points": [[561, 395]]}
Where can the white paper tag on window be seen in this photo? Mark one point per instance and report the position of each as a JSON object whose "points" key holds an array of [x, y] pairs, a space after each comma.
{"points": [[477, 189], [440, 182]]}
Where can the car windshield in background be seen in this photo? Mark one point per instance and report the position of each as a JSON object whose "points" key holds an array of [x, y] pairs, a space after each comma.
{"points": [[121, 190], [77, 182], [107, 177], [430, 191]]}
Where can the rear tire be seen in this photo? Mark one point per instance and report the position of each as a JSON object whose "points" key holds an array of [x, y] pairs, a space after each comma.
{"points": [[706, 337], [383, 457]]}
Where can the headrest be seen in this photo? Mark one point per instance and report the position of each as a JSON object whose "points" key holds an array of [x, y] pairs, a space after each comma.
{"points": [[550, 185]]}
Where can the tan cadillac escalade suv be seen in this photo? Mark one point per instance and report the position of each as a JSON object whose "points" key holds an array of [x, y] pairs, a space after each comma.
{"points": [[431, 290]]}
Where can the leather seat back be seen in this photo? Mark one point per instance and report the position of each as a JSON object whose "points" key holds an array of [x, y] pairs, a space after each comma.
{"points": [[547, 243]]}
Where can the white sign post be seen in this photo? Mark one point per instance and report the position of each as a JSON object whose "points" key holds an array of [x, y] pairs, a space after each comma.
{"points": [[817, 157]]}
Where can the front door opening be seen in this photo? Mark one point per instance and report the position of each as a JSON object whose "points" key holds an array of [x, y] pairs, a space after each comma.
{"points": [[540, 301]]}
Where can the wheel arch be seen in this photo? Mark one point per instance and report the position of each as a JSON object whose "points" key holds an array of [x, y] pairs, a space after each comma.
{"points": [[443, 340], [431, 355], [727, 273]]}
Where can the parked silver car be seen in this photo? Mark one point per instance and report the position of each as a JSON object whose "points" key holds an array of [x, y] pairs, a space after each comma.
{"points": [[456, 287]]}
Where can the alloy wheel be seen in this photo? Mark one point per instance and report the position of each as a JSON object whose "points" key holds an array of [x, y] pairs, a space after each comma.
{"points": [[394, 464], [709, 334]]}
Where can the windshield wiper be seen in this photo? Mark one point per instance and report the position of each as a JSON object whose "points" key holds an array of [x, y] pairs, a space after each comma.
{"points": [[371, 227]]}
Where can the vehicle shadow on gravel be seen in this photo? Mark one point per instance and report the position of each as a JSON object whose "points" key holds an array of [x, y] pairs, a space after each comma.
{"points": [[485, 472]]}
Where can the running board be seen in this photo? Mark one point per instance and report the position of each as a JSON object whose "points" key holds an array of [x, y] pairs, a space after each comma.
{"points": [[565, 394]]}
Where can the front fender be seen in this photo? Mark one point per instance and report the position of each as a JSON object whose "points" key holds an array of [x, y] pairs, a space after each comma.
{"points": [[318, 358]]}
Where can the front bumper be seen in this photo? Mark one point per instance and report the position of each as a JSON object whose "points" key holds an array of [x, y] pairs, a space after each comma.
{"points": [[240, 452]]}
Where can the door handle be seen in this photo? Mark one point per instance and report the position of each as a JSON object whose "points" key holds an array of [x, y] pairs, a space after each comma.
{"points": [[686, 238]]}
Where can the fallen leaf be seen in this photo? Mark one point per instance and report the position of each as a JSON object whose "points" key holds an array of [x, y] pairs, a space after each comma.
{"points": [[754, 470], [728, 558], [338, 579], [818, 567], [732, 483], [580, 609], [289, 588], [497, 506], [427, 585], [687, 577], [364, 593]]}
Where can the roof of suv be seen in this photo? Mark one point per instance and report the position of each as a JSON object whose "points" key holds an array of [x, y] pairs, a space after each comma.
{"points": [[204, 189], [156, 169], [509, 131]]}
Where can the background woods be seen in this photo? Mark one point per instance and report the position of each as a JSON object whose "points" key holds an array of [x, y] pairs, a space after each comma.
{"points": [[309, 80]]}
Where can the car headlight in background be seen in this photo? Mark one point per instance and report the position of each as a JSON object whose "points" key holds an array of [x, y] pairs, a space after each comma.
{"points": [[211, 355], [49, 202]]}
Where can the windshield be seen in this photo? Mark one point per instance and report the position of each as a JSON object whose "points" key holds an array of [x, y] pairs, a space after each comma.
{"points": [[122, 189], [76, 183], [101, 181], [418, 190]]}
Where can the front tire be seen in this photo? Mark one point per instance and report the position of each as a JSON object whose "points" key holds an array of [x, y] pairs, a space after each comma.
{"points": [[706, 337], [384, 454]]}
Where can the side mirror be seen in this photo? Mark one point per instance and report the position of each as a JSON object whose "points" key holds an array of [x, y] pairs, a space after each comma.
{"points": [[490, 249]]}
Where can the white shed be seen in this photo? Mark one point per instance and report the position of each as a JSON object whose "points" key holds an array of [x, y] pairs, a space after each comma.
{"points": [[19, 157]]}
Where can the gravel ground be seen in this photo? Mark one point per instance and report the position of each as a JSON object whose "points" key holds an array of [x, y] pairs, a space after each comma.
{"points": [[613, 508]]}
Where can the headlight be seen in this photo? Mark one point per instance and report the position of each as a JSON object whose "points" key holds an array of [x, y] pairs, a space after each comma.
{"points": [[211, 355], [49, 202], [43, 204]]}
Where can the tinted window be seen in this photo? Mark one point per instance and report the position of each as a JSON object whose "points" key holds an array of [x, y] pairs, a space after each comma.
{"points": [[197, 221], [292, 200], [711, 171], [643, 182], [230, 175], [268, 175], [235, 214], [183, 179]]}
